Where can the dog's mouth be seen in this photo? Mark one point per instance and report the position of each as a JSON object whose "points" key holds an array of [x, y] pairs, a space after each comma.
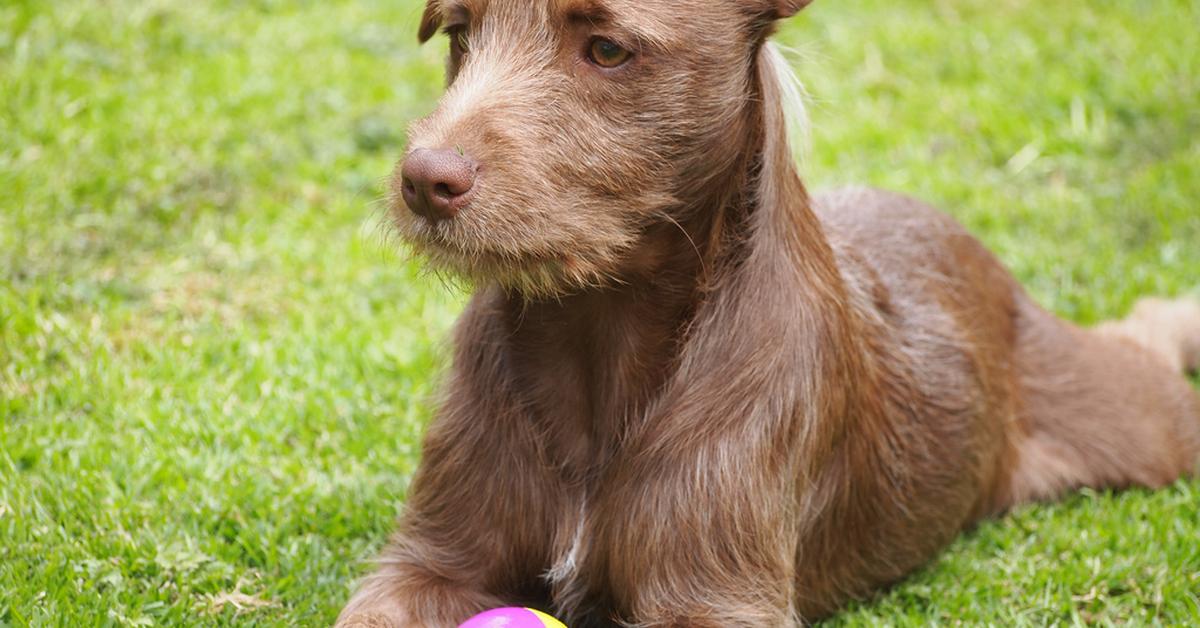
{"points": [[444, 249]]}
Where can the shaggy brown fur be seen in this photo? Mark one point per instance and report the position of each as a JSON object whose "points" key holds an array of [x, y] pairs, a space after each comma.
{"points": [[686, 394]]}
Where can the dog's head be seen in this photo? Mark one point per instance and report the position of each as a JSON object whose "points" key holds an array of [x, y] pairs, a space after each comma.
{"points": [[569, 127]]}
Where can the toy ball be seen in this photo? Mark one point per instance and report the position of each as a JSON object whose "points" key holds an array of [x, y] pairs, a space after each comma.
{"points": [[513, 618]]}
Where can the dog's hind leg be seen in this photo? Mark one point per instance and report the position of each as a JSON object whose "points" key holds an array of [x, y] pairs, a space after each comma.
{"points": [[1105, 407]]}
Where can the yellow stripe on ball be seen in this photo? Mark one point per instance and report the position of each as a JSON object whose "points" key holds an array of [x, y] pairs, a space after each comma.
{"points": [[546, 619]]}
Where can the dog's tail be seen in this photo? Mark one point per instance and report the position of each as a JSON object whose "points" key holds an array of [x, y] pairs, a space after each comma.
{"points": [[1170, 329]]}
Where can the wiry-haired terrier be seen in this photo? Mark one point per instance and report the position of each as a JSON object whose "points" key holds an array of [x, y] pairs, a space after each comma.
{"points": [[689, 394]]}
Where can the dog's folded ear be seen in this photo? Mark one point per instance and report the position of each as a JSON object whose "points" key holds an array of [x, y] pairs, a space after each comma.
{"points": [[779, 9], [431, 20]]}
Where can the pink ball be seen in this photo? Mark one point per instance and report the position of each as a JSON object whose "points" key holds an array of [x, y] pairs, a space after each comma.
{"points": [[512, 618]]}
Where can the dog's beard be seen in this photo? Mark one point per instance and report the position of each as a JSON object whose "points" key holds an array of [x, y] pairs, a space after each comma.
{"points": [[463, 256], [539, 248]]}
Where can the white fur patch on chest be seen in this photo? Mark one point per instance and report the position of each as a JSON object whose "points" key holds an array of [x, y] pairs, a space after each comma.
{"points": [[565, 568]]}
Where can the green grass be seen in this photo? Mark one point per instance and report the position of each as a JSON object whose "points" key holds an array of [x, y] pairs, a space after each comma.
{"points": [[214, 371]]}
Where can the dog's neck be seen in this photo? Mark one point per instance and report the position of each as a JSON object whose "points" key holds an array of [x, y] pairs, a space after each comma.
{"points": [[595, 361]]}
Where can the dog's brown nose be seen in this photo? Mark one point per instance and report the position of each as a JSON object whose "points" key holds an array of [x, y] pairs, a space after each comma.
{"points": [[436, 182]]}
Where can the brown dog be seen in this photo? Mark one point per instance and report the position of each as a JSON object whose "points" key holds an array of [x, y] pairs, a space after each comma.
{"points": [[685, 393]]}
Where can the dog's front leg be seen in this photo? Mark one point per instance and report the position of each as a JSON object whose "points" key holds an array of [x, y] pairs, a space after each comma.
{"points": [[474, 535], [481, 513], [409, 596], [407, 591]]}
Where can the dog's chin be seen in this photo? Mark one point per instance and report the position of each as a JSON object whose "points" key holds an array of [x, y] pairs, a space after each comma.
{"points": [[520, 259], [521, 272]]}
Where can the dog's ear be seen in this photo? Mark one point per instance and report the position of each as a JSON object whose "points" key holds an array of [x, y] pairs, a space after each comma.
{"points": [[788, 8], [431, 20], [779, 9]]}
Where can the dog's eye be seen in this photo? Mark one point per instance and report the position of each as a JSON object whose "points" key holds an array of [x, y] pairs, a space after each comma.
{"points": [[460, 43], [607, 54]]}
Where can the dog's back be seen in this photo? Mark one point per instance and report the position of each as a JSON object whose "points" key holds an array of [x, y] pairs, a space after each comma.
{"points": [[991, 400], [1111, 395]]}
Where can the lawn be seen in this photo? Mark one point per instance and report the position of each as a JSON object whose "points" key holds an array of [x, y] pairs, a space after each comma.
{"points": [[215, 366]]}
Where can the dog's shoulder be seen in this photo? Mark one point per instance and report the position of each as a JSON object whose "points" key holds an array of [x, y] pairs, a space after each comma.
{"points": [[891, 228], [908, 249], [878, 212]]}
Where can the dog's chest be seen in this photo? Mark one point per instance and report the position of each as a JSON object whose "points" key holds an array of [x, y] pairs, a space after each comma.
{"points": [[569, 551]]}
